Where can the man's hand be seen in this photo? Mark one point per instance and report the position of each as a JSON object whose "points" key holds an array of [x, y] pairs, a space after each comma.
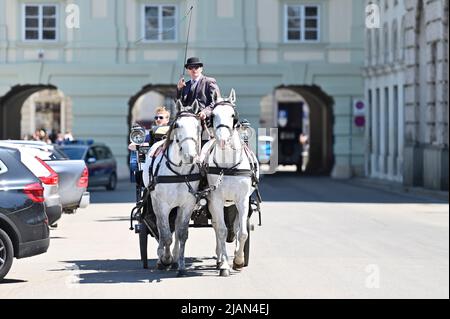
{"points": [[202, 115], [181, 84]]}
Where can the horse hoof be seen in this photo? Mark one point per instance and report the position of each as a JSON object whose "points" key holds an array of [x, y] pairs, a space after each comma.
{"points": [[237, 266], [224, 273], [182, 273], [174, 266], [160, 266]]}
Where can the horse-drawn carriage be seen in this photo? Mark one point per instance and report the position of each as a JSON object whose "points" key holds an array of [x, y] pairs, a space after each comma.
{"points": [[173, 165]]}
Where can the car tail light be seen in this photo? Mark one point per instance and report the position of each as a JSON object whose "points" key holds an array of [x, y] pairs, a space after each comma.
{"points": [[53, 178], [84, 179], [35, 192]]}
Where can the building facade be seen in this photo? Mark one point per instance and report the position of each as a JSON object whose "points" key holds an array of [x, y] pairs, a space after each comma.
{"points": [[384, 76], [426, 94], [406, 86], [105, 58]]}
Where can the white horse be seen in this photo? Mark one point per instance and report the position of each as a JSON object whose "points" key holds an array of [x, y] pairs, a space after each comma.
{"points": [[177, 160], [228, 153]]}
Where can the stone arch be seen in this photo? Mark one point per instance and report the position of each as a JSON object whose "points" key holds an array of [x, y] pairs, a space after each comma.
{"points": [[10, 108], [168, 91], [321, 121]]}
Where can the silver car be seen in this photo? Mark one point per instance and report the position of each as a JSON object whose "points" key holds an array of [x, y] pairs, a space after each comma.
{"points": [[48, 177], [73, 174]]}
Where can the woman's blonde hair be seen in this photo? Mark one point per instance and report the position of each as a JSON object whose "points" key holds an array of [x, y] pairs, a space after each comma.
{"points": [[162, 109]]}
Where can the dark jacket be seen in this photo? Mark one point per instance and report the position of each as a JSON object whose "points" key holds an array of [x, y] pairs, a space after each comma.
{"points": [[203, 93]]}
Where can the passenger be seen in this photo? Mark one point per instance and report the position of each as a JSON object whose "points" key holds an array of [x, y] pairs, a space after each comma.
{"points": [[161, 119]]}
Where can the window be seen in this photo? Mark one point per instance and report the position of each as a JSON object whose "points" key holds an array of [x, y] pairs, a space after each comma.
{"points": [[3, 168], [377, 46], [39, 22], [386, 43], [159, 23], [100, 152], [395, 41], [369, 46], [302, 23]]}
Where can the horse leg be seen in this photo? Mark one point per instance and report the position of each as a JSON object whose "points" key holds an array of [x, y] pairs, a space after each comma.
{"points": [[182, 234], [165, 236], [218, 251], [242, 234], [216, 209], [176, 248]]}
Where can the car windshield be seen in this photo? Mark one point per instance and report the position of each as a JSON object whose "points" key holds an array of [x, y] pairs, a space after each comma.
{"points": [[74, 153]]}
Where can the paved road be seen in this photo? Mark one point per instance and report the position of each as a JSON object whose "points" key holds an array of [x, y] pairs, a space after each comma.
{"points": [[320, 238]]}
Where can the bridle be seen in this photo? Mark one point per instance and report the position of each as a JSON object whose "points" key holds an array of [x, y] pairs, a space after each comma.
{"points": [[235, 120], [180, 143]]}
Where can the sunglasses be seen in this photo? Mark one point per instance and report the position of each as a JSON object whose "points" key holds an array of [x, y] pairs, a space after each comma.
{"points": [[159, 118], [193, 67]]}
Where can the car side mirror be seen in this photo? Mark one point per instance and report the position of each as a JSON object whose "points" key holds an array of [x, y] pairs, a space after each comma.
{"points": [[91, 160]]}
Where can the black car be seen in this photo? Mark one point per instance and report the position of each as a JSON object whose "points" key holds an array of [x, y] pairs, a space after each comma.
{"points": [[99, 159], [24, 228]]}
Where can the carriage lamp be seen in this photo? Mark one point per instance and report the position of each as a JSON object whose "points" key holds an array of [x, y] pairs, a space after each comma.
{"points": [[245, 130], [137, 135]]}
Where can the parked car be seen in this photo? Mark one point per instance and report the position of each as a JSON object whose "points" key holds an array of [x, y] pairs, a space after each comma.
{"points": [[73, 174], [23, 222], [99, 159], [47, 176]]}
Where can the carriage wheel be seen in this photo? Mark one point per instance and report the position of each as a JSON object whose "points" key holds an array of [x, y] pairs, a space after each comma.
{"points": [[143, 244], [247, 245]]}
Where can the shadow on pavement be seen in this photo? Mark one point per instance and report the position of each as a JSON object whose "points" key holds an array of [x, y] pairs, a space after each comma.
{"points": [[291, 187], [131, 271], [12, 281]]}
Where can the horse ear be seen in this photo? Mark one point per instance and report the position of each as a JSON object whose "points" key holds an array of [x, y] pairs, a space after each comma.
{"points": [[232, 97], [179, 106], [195, 107], [215, 96]]}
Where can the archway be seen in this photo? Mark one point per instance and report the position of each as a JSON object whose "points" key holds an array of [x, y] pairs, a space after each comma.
{"points": [[25, 107], [142, 105], [302, 112]]}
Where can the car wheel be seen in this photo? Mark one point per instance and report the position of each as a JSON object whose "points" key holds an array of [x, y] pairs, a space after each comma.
{"points": [[6, 254], [112, 182]]}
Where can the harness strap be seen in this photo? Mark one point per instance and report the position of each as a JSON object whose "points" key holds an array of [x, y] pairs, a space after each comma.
{"points": [[177, 179], [229, 171]]}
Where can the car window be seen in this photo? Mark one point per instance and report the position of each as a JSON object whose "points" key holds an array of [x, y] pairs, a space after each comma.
{"points": [[108, 153], [74, 153], [60, 154], [101, 152], [91, 153], [3, 168]]}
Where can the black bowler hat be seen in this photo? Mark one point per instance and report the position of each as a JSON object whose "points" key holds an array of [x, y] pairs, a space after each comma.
{"points": [[193, 61]]}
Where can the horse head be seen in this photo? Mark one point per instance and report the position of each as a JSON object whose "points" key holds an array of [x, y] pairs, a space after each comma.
{"points": [[185, 132], [225, 118]]}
